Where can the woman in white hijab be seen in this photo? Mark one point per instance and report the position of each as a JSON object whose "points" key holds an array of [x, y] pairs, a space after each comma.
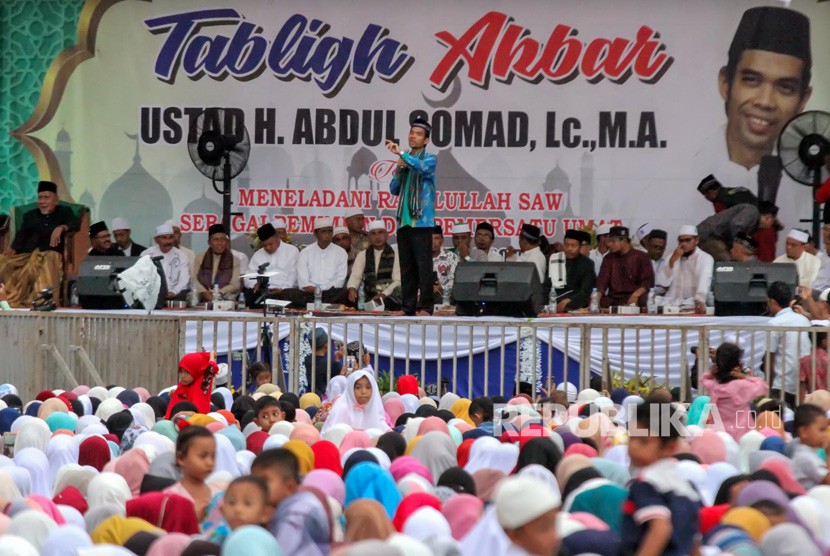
{"points": [[8, 487], [76, 476], [447, 400], [488, 453], [225, 456], [33, 435], [437, 452], [65, 540], [33, 526], [35, 462], [98, 392], [108, 488], [347, 410], [336, 387], [61, 450], [108, 408]]}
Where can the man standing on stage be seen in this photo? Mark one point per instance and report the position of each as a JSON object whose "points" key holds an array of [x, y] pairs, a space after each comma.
{"points": [[414, 184]]}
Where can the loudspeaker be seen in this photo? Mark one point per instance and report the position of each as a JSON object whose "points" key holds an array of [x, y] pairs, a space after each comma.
{"points": [[490, 288], [741, 288], [95, 282]]}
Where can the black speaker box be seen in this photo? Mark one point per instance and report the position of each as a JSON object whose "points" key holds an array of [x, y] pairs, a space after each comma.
{"points": [[95, 281], [504, 289], [741, 288]]}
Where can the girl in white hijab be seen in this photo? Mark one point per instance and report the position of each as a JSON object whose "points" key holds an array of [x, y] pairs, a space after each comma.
{"points": [[108, 408], [8, 487], [336, 387], [360, 406], [225, 456], [76, 476], [35, 462]]}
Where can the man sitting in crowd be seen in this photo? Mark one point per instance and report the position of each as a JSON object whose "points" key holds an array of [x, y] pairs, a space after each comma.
{"points": [[34, 260], [626, 274], [743, 248], [461, 240], [217, 267], [343, 239], [355, 222], [785, 348], [322, 265], [123, 238], [444, 262], [688, 273], [101, 242], [807, 265], [177, 242], [579, 274], [822, 280], [378, 268], [174, 262], [281, 258], [530, 238], [483, 251], [598, 254]]}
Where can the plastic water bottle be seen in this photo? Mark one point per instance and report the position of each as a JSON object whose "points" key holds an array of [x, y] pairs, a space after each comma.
{"points": [[710, 299], [361, 297], [217, 296], [552, 301], [446, 295], [594, 306], [318, 298], [651, 303]]}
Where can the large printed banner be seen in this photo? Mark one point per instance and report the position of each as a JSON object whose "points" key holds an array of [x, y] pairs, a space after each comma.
{"points": [[561, 114]]}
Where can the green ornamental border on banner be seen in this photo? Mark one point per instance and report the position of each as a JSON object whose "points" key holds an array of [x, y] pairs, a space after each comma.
{"points": [[33, 33]]}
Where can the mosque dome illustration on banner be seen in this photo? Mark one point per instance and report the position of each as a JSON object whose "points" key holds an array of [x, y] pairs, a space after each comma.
{"points": [[138, 197]]}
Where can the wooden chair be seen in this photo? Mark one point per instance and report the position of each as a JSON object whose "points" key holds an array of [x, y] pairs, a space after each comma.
{"points": [[75, 243]]}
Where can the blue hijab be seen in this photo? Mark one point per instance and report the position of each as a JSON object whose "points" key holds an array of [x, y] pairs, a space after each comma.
{"points": [[370, 480]]}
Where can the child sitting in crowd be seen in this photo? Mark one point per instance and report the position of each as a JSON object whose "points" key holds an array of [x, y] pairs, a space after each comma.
{"points": [[268, 410], [196, 457], [360, 406], [811, 429]]}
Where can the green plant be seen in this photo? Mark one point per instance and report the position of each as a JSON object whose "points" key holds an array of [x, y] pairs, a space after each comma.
{"points": [[639, 385], [384, 382]]}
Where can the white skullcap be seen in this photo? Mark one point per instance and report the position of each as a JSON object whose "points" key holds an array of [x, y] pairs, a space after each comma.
{"points": [[354, 211], [569, 389], [460, 228], [341, 230], [165, 229], [323, 222], [799, 236], [280, 223], [376, 225], [120, 224], [644, 230], [825, 295], [521, 498], [687, 230], [603, 229]]}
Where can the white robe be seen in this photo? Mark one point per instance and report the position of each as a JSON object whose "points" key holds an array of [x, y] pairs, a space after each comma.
{"points": [[807, 265], [689, 280]]}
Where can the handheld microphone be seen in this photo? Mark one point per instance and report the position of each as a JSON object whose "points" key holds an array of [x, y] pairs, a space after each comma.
{"points": [[261, 268]]}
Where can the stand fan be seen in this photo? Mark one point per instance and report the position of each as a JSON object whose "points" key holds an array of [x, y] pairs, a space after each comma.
{"points": [[804, 147], [219, 146]]}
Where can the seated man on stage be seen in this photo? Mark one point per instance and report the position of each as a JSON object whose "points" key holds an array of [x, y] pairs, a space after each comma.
{"points": [[688, 273], [530, 239], [378, 268], [580, 278], [322, 264], [626, 274], [101, 242], [461, 240], [342, 238], [123, 238], [217, 267], [34, 261], [174, 263], [280, 257], [483, 251]]}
